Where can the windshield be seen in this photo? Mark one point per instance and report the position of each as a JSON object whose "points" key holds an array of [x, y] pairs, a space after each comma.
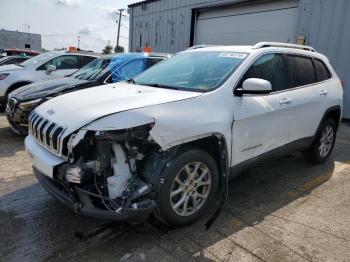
{"points": [[93, 70], [195, 71], [38, 60]]}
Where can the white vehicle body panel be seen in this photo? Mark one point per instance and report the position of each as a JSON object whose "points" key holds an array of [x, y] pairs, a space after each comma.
{"points": [[41, 158], [90, 104], [251, 125]]}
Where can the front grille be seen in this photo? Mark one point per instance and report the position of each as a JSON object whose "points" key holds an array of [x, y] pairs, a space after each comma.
{"points": [[12, 104], [47, 133]]}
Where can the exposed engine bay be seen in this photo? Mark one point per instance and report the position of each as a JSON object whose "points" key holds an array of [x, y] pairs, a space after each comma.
{"points": [[111, 169]]}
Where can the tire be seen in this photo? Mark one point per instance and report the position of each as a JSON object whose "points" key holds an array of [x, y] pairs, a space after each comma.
{"points": [[323, 143], [202, 192]]}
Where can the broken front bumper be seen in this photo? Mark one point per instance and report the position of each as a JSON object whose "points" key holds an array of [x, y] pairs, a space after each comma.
{"points": [[81, 202]]}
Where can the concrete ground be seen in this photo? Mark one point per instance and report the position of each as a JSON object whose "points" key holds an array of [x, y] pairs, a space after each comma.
{"points": [[283, 210]]}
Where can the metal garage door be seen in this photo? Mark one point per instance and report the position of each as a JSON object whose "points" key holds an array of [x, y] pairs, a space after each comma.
{"points": [[248, 24]]}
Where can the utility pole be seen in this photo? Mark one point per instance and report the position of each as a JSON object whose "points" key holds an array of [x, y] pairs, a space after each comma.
{"points": [[78, 41], [119, 23]]}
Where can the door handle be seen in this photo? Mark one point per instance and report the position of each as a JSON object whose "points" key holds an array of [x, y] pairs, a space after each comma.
{"points": [[285, 101], [323, 92]]}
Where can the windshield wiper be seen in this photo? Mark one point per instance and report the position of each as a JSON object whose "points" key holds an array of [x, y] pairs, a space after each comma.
{"points": [[158, 85]]}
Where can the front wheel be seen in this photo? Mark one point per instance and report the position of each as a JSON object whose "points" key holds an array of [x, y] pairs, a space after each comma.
{"points": [[189, 187], [323, 144]]}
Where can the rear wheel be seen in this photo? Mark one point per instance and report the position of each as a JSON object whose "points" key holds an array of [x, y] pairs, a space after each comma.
{"points": [[189, 187], [324, 142]]}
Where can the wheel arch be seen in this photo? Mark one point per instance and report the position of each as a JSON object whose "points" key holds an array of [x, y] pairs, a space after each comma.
{"points": [[17, 85], [334, 113]]}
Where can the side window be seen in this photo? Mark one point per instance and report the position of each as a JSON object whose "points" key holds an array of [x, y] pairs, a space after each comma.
{"points": [[154, 61], [322, 70], [129, 70], [301, 70], [63, 62], [86, 59], [269, 67]]}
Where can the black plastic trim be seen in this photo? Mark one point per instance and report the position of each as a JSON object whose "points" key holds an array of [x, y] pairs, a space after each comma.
{"points": [[295, 146], [83, 205]]}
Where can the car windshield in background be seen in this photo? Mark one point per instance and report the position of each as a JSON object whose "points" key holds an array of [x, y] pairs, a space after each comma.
{"points": [[195, 71], [37, 60], [93, 70]]}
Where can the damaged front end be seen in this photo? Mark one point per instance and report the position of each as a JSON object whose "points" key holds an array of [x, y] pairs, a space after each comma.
{"points": [[106, 174]]}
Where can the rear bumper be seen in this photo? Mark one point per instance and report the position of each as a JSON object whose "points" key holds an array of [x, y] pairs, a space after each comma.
{"points": [[80, 201]]}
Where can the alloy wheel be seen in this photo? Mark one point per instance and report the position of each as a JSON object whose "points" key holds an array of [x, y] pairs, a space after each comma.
{"points": [[326, 141], [190, 189]]}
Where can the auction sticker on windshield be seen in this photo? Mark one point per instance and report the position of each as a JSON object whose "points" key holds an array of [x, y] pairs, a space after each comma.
{"points": [[233, 55]]}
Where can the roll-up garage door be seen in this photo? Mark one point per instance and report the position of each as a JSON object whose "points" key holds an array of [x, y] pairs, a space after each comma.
{"points": [[247, 24]]}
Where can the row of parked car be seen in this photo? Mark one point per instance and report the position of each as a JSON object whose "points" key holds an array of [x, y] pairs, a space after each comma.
{"points": [[26, 85], [166, 138]]}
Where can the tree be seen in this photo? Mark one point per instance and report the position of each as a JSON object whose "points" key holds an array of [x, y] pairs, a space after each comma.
{"points": [[119, 49], [108, 49]]}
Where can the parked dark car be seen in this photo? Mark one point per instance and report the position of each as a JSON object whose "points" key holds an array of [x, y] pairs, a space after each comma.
{"points": [[107, 69], [10, 60]]}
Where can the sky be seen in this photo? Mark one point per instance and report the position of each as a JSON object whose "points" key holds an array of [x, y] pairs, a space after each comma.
{"points": [[60, 22]]}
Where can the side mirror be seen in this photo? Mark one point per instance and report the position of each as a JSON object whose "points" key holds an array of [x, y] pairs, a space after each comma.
{"points": [[50, 69], [255, 86]]}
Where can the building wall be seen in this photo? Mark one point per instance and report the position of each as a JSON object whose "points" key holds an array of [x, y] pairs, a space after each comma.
{"points": [[10, 39], [326, 25], [165, 25]]}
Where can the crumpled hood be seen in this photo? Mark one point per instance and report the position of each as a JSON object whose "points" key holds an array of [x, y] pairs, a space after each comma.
{"points": [[77, 109], [44, 88], [11, 68]]}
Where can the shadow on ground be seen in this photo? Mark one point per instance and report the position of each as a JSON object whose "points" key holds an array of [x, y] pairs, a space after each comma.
{"points": [[38, 228], [10, 143]]}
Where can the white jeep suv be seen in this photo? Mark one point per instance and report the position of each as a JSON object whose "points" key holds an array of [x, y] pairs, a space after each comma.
{"points": [[168, 140]]}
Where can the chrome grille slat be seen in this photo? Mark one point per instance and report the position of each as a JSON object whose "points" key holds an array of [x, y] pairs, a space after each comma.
{"points": [[45, 130], [31, 122], [36, 122], [51, 135], [59, 140], [42, 122], [46, 133]]}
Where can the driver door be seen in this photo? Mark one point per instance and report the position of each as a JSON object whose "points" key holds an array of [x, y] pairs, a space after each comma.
{"points": [[262, 122]]}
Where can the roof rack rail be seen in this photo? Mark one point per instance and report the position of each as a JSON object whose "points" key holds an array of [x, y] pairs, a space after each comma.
{"points": [[199, 46], [277, 44]]}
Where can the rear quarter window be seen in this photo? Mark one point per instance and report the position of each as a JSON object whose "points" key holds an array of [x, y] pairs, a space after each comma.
{"points": [[301, 70], [322, 70], [86, 59]]}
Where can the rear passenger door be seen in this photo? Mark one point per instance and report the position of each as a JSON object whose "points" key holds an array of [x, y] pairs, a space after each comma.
{"points": [[326, 88], [303, 108]]}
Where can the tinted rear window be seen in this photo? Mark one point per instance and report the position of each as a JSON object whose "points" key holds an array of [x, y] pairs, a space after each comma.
{"points": [[322, 70], [86, 59], [301, 70]]}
